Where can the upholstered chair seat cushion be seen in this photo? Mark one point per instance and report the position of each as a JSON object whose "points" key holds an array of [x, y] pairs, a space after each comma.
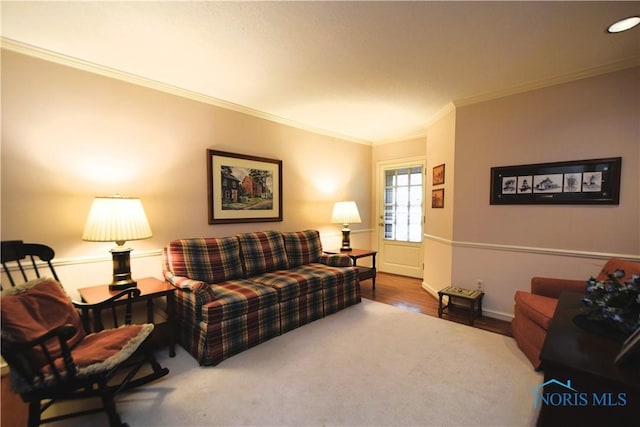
{"points": [[32, 309], [537, 308]]}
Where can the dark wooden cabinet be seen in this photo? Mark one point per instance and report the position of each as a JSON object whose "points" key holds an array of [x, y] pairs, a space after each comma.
{"points": [[582, 385]]}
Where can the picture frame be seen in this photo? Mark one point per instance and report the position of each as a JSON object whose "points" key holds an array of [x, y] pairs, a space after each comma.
{"points": [[437, 198], [243, 188], [593, 181], [438, 175], [630, 348]]}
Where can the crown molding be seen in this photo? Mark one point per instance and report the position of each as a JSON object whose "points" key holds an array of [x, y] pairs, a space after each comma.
{"points": [[408, 137], [539, 84], [449, 107], [91, 67], [560, 79], [51, 56]]}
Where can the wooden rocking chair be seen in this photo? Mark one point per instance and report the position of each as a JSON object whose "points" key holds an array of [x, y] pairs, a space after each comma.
{"points": [[53, 356]]}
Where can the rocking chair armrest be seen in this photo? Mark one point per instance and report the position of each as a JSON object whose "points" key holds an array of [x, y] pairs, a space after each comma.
{"points": [[17, 353], [125, 296], [63, 332], [129, 292]]}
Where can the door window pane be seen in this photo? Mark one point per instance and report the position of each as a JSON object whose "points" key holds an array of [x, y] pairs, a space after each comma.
{"points": [[403, 196]]}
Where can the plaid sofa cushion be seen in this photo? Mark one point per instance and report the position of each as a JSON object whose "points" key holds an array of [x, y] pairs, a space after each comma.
{"points": [[290, 284], [210, 260], [331, 277], [262, 252], [236, 298], [303, 247]]}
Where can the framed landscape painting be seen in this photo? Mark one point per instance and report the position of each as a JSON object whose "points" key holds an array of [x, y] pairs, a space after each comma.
{"points": [[243, 188]]}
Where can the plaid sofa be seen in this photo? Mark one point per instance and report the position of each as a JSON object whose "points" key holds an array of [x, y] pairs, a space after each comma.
{"points": [[235, 292]]}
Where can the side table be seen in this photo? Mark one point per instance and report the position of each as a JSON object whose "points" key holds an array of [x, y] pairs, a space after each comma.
{"points": [[151, 288], [472, 299], [363, 272], [580, 365]]}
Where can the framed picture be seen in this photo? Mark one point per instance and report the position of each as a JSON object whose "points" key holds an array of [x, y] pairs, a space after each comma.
{"points": [[595, 181], [243, 188], [629, 348], [438, 175], [437, 198]]}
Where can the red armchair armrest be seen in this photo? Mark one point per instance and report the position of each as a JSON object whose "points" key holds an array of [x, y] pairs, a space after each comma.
{"points": [[550, 287]]}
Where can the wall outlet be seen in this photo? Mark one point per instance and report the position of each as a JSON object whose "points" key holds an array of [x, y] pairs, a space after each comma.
{"points": [[480, 284]]}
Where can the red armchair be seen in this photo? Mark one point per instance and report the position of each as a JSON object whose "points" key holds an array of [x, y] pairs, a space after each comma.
{"points": [[534, 310]]}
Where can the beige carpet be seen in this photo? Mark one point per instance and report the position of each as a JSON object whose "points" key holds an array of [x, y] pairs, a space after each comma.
{"points": [[368, 365]]}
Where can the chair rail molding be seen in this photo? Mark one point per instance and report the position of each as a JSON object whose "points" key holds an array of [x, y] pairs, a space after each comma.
{"points": [[153, 253], [69, 61], [531, 249]]}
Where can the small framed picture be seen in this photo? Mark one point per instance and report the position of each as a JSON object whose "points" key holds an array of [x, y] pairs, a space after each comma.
{"points": [[629, 348], [437, 198], [438, 175]]}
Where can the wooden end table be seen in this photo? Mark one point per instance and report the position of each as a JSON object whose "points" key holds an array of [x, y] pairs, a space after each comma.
{"points": [[363, 271], [470, 299], [151, 288]]}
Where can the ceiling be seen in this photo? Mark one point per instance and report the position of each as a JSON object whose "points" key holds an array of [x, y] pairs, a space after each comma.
{"points": [[369, 71]]}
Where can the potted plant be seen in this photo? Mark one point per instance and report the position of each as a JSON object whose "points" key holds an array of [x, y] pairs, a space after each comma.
{"points": [[612, 306]]}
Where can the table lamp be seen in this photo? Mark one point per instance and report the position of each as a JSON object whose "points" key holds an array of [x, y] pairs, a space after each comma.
{"points": [[117, 219], [345, 213]]}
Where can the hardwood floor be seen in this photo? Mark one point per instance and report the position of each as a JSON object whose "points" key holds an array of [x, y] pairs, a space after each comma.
{"points": [[407, 293]]}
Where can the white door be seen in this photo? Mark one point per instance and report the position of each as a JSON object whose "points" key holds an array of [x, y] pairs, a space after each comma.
{"points": [[400, 202]]}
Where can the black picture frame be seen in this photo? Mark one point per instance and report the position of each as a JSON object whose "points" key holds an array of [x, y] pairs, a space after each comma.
{"points": [[593, 181], [243, 188], [630, 348]]}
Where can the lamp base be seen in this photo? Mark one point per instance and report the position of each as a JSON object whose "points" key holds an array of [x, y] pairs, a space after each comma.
{"points": [[121, 269], [346, 240], [122, 284]]}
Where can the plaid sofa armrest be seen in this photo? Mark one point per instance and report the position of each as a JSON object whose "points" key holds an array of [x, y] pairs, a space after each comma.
{"points": [[186, 284], [336, 260]]}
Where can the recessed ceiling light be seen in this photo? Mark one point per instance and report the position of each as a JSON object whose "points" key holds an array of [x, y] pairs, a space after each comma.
{"points": [[624, 24]]}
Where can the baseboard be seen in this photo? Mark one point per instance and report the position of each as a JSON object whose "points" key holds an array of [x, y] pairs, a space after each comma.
{"points": [[429, 289], [485, 312]]}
